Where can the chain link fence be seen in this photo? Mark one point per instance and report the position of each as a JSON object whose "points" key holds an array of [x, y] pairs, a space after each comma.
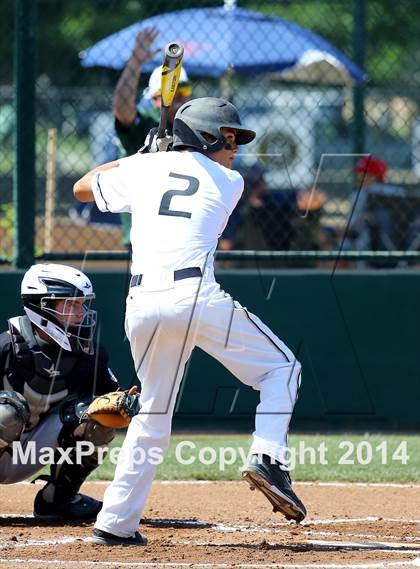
{"points": [[336, 162]]}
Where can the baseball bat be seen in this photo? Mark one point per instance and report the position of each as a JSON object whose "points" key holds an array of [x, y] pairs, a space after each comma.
{"points": [[171, 70]]}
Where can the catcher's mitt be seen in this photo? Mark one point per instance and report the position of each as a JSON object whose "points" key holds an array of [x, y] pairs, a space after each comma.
{"points": [[114, 409]]}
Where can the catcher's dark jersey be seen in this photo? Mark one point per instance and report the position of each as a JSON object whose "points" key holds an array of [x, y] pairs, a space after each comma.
{"points": [[45, 374]]}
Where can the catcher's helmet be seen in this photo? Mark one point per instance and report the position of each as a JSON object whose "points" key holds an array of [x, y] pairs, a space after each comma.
{"points": [[44, 284], [207, 116]]}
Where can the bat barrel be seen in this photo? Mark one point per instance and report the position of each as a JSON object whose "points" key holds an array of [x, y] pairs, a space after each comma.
{"points": [[171, 70]]}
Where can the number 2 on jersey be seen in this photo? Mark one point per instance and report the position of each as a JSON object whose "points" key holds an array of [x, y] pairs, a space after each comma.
{"points": [[192, 188]]}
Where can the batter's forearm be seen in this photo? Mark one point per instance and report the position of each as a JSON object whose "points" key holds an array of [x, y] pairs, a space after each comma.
{"points": [[82, 188], [124, 105]]}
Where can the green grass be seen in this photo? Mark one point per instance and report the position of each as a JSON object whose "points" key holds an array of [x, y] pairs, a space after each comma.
{"points": [[393, 469]]}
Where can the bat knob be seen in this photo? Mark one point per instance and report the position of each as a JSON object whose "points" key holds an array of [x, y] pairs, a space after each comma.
{"points": [[174, 50]]}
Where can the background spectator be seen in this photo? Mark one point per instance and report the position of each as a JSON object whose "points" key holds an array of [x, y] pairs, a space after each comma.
{"points": [[134, 120], [371, 226], [274, 219], [378, 219], [262, 219], [308, 233]]}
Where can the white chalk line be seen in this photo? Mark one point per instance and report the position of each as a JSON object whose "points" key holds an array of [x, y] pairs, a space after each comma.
{"points": [[362, 520], [373, 546], [383, 547], [297, 483], [389, 547], [260, 529], [359, 535], [245, 529], [42, 542], [162, 565], [291, 525], [233, 528], [360, 484], [302, 483]]}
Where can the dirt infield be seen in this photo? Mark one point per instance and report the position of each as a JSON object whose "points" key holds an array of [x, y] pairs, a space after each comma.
{"points": [[224, 524]]}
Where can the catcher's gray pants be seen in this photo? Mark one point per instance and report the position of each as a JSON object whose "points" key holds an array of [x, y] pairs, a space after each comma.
{"points": [[27, 456], [163, 325], [13, 468]]}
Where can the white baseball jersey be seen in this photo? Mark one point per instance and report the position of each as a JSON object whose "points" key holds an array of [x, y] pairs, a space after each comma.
{"points": [[180, 203]]}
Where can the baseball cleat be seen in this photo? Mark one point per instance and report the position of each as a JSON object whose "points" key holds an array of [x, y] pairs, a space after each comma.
{"points": [[276, 485], [81, 508], [101, 537]]}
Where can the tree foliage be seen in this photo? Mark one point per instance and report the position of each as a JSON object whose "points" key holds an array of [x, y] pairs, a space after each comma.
{"points": [[392, 32]]}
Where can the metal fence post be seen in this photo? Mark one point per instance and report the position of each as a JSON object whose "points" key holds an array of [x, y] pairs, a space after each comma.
{"points": [[24, 170], [359, 52]]}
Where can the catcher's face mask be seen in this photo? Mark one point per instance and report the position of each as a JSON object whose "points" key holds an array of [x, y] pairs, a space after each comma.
{"points": [[57, 298], [68, 321]]}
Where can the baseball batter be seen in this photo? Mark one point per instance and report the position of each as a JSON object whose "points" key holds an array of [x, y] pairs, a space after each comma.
{"points": [[180, 202]]}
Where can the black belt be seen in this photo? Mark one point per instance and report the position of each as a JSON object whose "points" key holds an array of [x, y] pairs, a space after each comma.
{"points": [[178, 275]]}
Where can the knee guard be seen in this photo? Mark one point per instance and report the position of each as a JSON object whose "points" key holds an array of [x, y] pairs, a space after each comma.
{"points": [[14, 414], [94, 433]]}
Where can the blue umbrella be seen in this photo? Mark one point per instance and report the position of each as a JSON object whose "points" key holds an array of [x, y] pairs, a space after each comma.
{"points": [[217, 39]]}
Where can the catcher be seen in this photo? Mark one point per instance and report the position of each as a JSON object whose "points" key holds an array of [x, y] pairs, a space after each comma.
{"points": [[50, 372]]}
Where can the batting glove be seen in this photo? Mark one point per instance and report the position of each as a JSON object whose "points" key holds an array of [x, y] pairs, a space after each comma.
{"points": [[153, 143]]}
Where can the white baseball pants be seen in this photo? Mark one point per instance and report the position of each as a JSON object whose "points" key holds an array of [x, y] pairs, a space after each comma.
{"points": [[163, 326]]}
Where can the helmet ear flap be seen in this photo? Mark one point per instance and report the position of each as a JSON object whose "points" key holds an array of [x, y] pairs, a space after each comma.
{"points": [[213, 143], [208, 137], [185, 136]]}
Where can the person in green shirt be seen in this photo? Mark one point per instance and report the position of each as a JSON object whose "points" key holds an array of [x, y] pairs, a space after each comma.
{"points": [[133, 120]]}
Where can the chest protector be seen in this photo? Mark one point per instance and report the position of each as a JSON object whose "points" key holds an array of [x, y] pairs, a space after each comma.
{"points": [[41, 378]]}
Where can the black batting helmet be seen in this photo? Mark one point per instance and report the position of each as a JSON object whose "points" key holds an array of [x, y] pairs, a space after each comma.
{"points": [[207, 115]]}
